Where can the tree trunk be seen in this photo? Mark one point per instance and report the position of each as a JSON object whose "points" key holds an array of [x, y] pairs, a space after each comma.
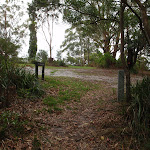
{"points": [[145, 20], [126, 69], [50, 50], [88, 52], [128, 86]]}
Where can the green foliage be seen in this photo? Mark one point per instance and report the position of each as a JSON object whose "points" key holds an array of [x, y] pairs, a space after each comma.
{"points": [[139, 110], [119, 63], [61, 63], [25, 83], [106, 60], [77, 61], [94, 59], [42, 56], [102, 60], [134, 69], [11, 123], [7, 49], [68, 89], [142, 63], [12, 22], [78, 45], [58, 63], [33, 32], [50, 101]]}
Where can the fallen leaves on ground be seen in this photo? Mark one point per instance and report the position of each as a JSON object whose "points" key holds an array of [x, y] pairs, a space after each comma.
{"points": [[93, 123]]}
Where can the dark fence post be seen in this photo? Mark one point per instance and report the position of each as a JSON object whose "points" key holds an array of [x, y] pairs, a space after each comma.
{"points": [[43, 67], [36, 69]]}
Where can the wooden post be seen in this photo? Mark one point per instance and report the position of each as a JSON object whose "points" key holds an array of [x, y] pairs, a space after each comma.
{"points": [[36, 69], [43, 67], [120, 85]]}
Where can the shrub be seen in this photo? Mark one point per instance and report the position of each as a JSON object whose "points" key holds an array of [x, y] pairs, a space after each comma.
{"points": [[139, 110], [94, 59], [19, 79], [106, 60], [119, 63], [142, 63], [102, 60], [58, 63], [61, 63], [134, 69]]}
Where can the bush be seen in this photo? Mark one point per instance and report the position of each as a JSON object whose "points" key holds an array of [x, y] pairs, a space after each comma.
{"points": [[119, 63], [142, 63], [102, 60], [61, 63], [58, 63], [139, 110], [134, 69], [106, 60], [94, 59], [12, 77]]}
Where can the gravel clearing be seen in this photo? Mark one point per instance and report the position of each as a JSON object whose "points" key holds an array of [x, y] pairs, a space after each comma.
{"points": [[109, 76]]}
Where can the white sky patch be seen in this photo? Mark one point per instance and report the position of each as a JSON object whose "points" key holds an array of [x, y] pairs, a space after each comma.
{"points": [[59, 28]]}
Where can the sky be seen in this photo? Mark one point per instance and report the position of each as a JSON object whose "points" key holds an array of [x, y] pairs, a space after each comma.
{"points": [[59, 28]]}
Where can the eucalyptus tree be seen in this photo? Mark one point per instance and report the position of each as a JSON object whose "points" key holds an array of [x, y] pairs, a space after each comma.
{"points": [[73, 44], [46, 11], [33, 31], [102, 19], [99, 17], [78, 44], [12, 28], [134, 39]]}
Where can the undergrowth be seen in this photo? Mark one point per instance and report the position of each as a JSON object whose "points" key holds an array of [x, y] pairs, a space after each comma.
{"points": [[139, 112], [22, 82], [11, 124]]}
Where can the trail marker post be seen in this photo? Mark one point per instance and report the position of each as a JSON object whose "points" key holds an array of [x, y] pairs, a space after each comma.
{"points": [[120, 85], [36, 69]]}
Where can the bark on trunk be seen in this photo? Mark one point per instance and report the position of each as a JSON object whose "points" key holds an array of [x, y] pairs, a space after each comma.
{"points": [[128, 86], [145, 20], [126, 69]]}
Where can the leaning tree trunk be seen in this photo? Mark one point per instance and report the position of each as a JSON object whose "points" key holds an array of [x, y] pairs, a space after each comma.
{"points": [[145, 20], [126, 69]]}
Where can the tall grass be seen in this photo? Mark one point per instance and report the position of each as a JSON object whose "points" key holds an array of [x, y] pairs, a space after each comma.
{"points": [[139, 110], [22, 82]]}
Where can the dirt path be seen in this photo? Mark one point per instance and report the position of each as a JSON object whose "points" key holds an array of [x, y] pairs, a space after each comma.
{"points": [[93, 123]]}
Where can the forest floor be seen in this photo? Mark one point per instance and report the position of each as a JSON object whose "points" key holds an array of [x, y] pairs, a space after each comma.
{"points": [[79, 111]]}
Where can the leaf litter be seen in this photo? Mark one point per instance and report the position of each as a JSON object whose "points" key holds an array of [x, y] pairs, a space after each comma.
{"points": [[94, 122]]}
